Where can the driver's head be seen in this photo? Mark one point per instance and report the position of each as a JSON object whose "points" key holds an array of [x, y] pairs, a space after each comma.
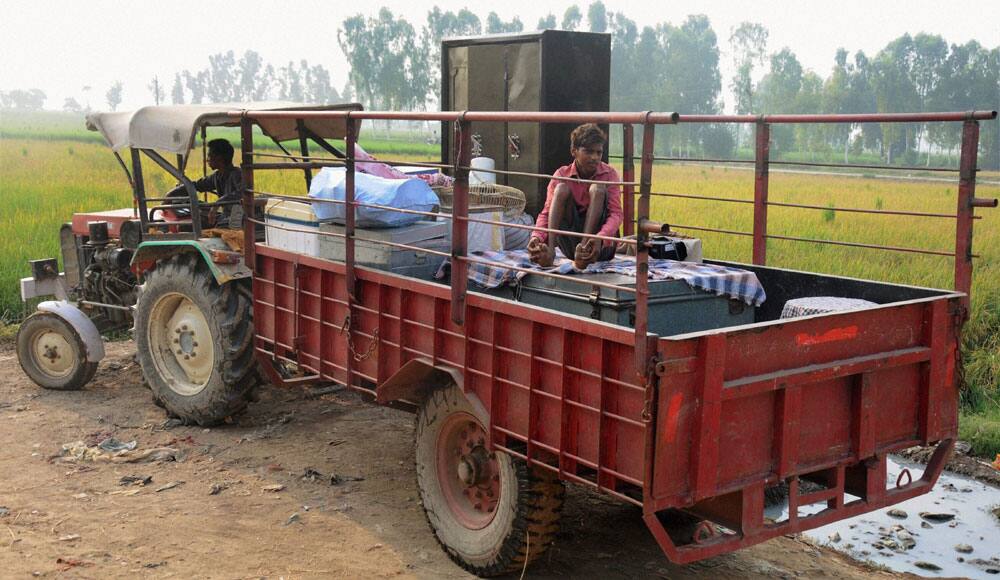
{"points": [[220, 153]]}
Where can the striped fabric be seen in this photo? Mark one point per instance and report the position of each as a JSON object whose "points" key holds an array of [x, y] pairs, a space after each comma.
{"points": [[720, 280]]}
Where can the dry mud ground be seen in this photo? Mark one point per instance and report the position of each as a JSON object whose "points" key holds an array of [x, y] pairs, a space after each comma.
{"points": [[65, 519]]}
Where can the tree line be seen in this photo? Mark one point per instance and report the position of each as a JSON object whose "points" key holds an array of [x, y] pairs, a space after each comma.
{"points": [[394, 64]]}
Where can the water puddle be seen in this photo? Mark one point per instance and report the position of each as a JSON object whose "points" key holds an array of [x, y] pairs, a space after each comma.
{"points": [[958, 535]]}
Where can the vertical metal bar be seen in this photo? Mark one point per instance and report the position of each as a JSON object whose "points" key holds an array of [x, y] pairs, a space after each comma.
{"points": [[763, 151], [963, 225], [349, 277], [139, 190], [459, 225], [642, 254], [304, 148], [204, 152], [705, 441], [249, 228], [628, 175]]}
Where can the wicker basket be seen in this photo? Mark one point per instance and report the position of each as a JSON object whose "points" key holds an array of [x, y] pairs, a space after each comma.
{"points": [[509, 199]]}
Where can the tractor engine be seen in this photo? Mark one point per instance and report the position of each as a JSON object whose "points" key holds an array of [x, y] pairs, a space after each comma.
{"points": [[98, 270]]}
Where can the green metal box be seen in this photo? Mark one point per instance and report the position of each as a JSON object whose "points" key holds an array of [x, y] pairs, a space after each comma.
{"points": [[674, 306]]}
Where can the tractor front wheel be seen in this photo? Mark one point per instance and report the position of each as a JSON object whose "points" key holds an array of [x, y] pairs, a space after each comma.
{"points": [[195, 341], [52, 353]]}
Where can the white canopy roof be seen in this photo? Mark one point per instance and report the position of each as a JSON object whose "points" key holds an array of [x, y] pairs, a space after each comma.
{"points": [[173, 128]]}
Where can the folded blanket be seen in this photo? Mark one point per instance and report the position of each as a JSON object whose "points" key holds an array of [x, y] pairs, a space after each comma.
{"points": [[720, 280]]}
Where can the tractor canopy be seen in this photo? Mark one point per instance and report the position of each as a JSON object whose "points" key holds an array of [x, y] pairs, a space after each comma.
{"points": [[173, 128]]}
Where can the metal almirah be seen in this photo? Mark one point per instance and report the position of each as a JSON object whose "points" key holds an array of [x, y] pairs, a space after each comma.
{"points": [[551, 70]]}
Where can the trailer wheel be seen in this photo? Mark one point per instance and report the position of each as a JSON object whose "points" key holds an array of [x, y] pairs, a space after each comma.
{"points": [[491, 514], [195, 341], [52, 353]]}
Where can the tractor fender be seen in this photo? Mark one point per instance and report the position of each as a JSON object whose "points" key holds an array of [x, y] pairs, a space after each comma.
{"points": [[148, 253], [417, 378], [83, 325]]}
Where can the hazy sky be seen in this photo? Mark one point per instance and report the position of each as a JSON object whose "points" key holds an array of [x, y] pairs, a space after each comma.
{"points": [[62, 46]]}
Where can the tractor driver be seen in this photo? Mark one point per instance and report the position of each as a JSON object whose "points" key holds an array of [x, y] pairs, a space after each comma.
{"points": [[226, 181], [580, 207]]}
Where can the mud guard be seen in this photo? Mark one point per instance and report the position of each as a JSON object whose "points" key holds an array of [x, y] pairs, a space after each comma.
{"points": [[210, 249], [84, 326], [418, 377]]}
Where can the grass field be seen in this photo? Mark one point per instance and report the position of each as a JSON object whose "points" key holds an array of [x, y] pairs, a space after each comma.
{"points": [[50, 168]]}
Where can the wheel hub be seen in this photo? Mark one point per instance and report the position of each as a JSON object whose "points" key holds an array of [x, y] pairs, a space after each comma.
{"points": [[182, 344], [469, 473], [53, 353]]}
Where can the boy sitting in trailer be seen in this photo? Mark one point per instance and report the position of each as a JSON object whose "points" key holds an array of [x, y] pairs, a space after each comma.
{"points": [[589, 208]]}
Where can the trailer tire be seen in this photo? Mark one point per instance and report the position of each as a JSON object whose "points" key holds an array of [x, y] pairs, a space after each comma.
{"points": [[44, 335], [517, 516], [182, 307]]}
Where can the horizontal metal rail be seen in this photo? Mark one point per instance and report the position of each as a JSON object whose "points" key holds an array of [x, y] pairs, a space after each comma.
{"points": [[503, 265], [848, 118], [448, 216], [863, 166], [470, 116], [871, 211], [707, 229], [701, 197], [869, 246]]}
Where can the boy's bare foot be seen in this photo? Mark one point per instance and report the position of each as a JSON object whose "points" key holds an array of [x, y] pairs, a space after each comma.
{"points": [[586, 254], [540, 253]]}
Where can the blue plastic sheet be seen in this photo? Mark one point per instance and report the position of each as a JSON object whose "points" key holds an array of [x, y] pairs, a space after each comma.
{"points": [[411, 194]]}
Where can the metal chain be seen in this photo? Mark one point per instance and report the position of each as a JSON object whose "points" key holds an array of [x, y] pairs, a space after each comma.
{"points": [[372, 345]]}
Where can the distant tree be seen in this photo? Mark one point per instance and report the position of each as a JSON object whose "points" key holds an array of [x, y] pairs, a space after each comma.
{"points": [[895, 91], [222, 78], [597, 17], [23, 100], [195, 83], [251, 82], [718, 141], [71, 105], [748, 43], [177, 92], [114, 95], [156, 89], [441, 25], [779, 90], [388, 69], [494, 25], [547, 23], [571, 18]]}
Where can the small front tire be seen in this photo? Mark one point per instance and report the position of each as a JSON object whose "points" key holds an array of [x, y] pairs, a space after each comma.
{"points": [[52, 353]]}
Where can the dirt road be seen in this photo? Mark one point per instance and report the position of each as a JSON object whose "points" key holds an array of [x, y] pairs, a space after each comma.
{"points": [[231, 517]]}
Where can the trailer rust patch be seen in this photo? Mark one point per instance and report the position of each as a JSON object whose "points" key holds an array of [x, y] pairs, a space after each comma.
{"points": [[832, 335]]}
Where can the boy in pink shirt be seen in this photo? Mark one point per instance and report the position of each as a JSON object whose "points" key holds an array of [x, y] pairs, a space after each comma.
{"points": [[580, 207]]}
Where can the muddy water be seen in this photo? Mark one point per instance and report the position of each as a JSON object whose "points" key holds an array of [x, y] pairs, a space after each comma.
{"points": [[901, 542]]}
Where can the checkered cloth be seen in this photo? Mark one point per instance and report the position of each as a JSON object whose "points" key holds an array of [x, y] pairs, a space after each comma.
{"points": [[720, 280]]}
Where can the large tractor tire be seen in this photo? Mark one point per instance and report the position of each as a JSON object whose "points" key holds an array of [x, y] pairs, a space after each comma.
{"points": [[53, 354], [195, 341], [492, 514]]}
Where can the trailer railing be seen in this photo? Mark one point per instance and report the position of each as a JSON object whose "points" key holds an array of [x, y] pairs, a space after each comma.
{"points": [[636, 203]]}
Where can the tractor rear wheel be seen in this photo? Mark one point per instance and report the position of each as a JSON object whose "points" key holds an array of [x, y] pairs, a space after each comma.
{"points": [[195, 341], [52, 353], [492, 514]]}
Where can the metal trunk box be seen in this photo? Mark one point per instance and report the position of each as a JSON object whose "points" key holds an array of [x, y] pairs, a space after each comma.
{"points": [[423, 234], [550, 70], [674, 306]]}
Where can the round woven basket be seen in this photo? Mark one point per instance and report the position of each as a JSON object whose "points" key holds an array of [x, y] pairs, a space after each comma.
{"points": [[509, 199]]}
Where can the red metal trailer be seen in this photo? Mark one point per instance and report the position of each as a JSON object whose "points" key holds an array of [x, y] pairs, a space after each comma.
{"points": [[512, 398]]}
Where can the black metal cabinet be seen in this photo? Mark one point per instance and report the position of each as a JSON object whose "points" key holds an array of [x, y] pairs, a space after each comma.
{"points": [[551, 70]]}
